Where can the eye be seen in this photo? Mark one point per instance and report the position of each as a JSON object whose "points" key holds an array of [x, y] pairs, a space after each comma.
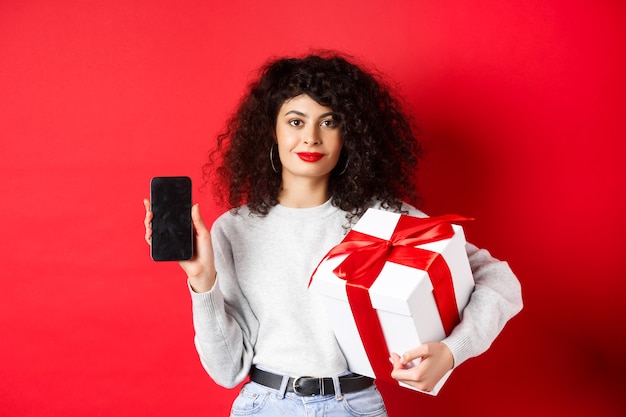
{"points": [[295, 122], [328, 123]]}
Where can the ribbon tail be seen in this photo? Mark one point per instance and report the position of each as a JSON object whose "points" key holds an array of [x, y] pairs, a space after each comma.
{"points": [[371, 333], [443, 291]]}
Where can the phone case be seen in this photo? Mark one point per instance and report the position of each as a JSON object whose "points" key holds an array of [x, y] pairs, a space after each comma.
{"points": [[172, 230]]}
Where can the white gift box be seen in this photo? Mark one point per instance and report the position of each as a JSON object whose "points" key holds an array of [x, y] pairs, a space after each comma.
{"points": [[402, 296]]}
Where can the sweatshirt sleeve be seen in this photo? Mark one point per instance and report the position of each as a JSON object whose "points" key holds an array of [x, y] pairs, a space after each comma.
{"points": [[225, 326], [496, 298]]}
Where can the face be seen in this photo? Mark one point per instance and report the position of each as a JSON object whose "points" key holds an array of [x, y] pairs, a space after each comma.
{"points": [[309, 138]]}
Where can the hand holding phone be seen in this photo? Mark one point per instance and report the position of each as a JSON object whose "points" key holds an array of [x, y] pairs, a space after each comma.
{"points": [[172, 230]]}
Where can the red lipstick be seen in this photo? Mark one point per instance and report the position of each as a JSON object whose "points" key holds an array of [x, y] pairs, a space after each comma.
{"points": [[310, 156]]}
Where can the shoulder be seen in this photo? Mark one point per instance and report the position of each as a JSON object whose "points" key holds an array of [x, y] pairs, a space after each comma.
{"points": [[233, 219]]}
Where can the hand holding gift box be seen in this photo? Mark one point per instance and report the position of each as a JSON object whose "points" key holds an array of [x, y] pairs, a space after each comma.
{"points": [[393, 283]]}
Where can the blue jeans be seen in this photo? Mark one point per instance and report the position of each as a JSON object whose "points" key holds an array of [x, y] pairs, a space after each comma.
{"points": [[258, 400]]}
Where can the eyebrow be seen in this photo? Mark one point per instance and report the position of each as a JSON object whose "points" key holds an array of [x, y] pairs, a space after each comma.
{"points": [[301, 114]]}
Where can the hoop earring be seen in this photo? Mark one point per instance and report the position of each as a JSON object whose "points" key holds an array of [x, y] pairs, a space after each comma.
{"points": [[343, 171], [272, 159]]}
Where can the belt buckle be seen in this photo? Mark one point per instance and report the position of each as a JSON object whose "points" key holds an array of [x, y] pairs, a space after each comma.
{"points": [[296, 386]]}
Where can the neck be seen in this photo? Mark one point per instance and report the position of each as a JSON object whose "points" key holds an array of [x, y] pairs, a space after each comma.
{"points": [[304, 193]]}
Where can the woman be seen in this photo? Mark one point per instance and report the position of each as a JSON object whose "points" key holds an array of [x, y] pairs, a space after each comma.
{"points": [[315, 142]]}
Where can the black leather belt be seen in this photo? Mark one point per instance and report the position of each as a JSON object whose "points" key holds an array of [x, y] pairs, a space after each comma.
{"points": [[307, 386]]}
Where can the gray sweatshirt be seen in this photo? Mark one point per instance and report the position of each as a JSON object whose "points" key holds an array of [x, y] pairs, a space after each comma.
{"points": [[261, 312]]}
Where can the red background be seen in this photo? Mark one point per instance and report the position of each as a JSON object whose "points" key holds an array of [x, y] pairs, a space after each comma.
{"points": [[522, 106]]}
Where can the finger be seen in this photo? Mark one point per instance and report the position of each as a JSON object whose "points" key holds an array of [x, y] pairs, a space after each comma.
{"points": [[396, 361], [412, 376], [198, 223], [401, 370], [148, 235], [147, 221], [149, 215], [417, 353]]}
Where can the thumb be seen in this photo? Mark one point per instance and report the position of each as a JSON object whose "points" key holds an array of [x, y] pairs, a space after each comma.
{"points": [[196, 218]]}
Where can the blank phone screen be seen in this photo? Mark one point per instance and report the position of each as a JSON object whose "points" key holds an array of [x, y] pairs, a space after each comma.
{"points": [[172, 233]]}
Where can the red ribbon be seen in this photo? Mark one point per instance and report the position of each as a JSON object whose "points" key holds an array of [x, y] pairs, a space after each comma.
{"points": [[367, 256]]}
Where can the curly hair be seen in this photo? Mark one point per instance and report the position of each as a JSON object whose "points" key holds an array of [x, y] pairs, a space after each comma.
{"points": [[380, 149]]}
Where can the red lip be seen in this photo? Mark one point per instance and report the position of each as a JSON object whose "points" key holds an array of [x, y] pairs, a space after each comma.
{"points": [[310, 156]]}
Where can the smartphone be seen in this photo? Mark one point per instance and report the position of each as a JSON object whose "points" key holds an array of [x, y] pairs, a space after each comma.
{"points": [[172, 230]]}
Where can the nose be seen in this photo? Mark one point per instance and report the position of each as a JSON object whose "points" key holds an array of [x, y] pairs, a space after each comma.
{"points": [[312, 137]]}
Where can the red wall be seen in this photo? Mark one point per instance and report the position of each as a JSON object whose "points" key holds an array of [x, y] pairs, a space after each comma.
{"points": [[522, 106]]}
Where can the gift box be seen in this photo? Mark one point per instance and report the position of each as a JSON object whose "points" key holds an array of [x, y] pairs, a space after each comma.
{"points": [[393, 283]]}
